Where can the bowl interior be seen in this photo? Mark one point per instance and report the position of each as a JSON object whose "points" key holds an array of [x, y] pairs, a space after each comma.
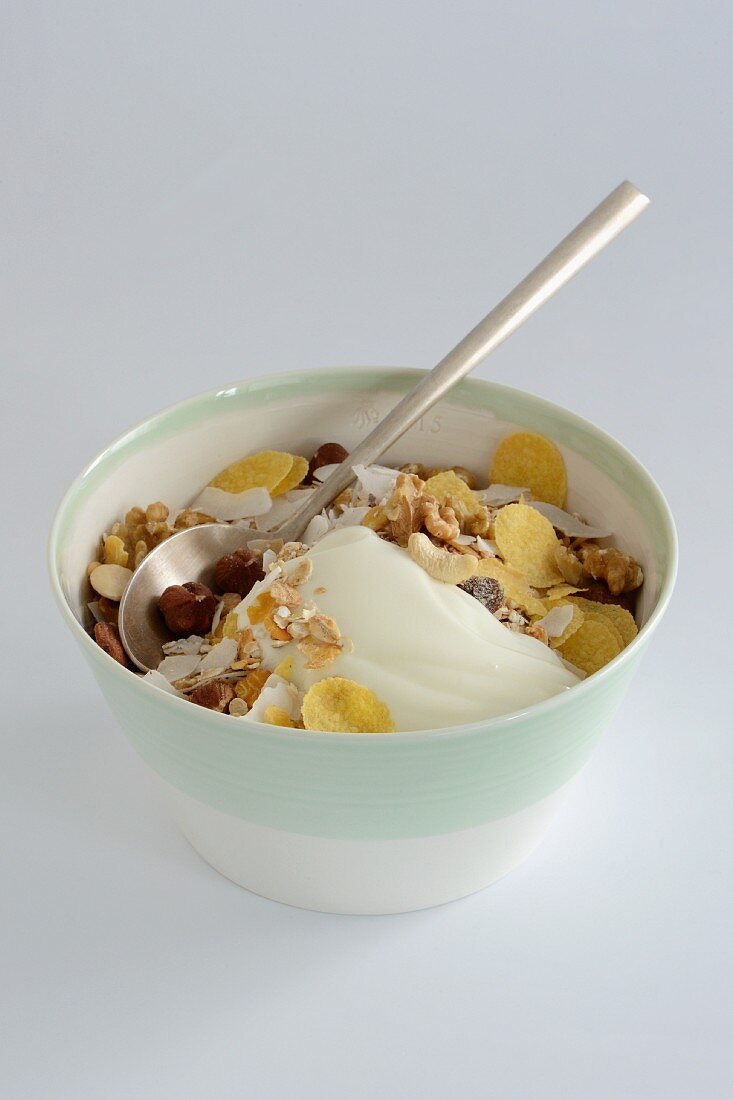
{"points": [[172, 455]]}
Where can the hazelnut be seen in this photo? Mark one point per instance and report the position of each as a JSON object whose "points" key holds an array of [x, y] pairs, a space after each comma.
{"points": [[107, 637], [238, 572], [326, 455], [216, 695], [109, 610], [187, 608]]}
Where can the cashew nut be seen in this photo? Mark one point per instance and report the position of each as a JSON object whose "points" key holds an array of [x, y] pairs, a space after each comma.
{"points": [[438, 563]]}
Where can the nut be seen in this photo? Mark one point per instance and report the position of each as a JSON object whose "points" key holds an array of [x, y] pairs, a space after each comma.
{"points": [[440, 564], [190, 518], [114, 551], [599, 592], [440, 520], [187, 608], [459, 471], [238, 572], [326, 455], [156, 513], [107, 637], [620, 572], [109, 610], [110, 581], [214, 695]]}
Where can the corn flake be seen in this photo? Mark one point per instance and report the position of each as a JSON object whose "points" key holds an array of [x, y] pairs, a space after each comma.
{"points": [[575, 623], [560, 591], [514, 585], [527, 543], [276, 716], [337, 705], [622, 619], [592, 646], [449, 484], [293, 478], [265, 470], [525, 458]]}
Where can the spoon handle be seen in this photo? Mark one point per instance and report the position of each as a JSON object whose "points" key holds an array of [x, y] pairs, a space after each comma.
{"points": [[610, 217]]}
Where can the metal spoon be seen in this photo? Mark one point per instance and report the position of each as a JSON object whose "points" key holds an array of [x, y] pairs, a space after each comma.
{"points": [[190, 555]]}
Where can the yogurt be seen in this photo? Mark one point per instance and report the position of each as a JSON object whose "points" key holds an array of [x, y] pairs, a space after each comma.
{"points": [[430, 651]]}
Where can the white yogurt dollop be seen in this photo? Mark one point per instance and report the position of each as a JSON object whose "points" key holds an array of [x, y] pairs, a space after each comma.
{"points": [[430, 651]]}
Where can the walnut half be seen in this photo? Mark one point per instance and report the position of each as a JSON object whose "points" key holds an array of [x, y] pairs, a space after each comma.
{"points": [[620, 572]]}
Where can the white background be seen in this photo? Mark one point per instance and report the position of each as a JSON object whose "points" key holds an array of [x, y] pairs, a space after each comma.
{"points": [[195, 193]]}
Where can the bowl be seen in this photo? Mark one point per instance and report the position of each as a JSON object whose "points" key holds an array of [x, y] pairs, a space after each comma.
{"points": [[360, 823]]}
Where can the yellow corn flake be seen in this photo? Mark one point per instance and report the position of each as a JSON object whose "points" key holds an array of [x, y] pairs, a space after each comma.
{"points": [[260, 608], [336, 705], [612, 613], [533, 462], [621, 619], [265, 470], [231, 625], [449, 484], [276, 716], [285, 669], [592, 646], [293, 477], [560, 591], [575, 623], [527, 542], [513, 584]]}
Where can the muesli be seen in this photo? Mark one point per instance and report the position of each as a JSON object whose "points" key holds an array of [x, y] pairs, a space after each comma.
{"points": [[264, 644]]}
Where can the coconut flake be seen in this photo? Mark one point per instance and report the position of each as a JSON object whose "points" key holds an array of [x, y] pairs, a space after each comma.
{"points": [[376, 481], [324, 472], [268, 558], [464, 540], [487, 546], [178, 666], [284, 507], [497, 495], [226, 507], [556, 620], [96, 613], [157, 680], [187, 646], [571, 526], [316, 529], [277, 692], [220, 656], [351, 517]]}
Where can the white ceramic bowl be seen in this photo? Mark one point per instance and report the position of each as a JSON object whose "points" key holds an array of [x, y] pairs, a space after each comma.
{"points": [[359, 823]]}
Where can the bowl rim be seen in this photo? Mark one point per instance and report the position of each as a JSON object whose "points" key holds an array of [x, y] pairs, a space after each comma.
{"points": [[483, 726]]}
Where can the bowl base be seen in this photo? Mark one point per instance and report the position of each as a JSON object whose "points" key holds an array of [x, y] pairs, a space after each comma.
{"points": [[360, 877]]}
